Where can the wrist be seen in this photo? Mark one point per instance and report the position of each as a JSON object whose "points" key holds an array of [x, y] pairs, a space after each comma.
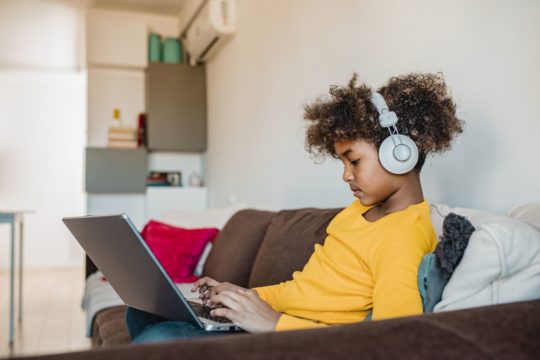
{"points": [[275, 320]]}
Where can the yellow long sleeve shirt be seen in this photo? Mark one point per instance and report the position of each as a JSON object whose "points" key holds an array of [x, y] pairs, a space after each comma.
{"points": [[361, 266]]}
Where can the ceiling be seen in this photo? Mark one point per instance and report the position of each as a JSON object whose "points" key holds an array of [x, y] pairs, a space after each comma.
{"points": [[164, 7]]}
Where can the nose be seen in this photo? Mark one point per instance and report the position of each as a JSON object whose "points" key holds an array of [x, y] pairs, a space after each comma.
{"points": [[347, 174]]}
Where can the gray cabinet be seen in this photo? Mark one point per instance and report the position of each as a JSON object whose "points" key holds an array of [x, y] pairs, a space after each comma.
{"points": [[176, 107], [116, 170]]}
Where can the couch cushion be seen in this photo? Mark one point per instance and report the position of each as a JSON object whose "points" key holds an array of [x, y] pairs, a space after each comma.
{"points": [[236, 246], [289, 243], [177, 249]]}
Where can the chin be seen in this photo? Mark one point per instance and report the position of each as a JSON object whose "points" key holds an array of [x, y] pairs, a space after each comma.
{"points": [[366, 202], [362, 200]]}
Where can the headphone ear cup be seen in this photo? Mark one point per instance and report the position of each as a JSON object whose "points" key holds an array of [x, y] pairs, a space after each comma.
{"points": [[389, 161]]}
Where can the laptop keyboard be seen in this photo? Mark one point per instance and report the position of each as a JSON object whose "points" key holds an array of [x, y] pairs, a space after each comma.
{"points": [[204, 312]]}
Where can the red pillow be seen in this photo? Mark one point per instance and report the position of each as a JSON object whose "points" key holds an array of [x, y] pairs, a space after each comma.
{"points": [[177, 249]]}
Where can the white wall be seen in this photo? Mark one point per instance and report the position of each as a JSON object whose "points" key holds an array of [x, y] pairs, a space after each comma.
{"points": [[288, 52], [42, 124]]}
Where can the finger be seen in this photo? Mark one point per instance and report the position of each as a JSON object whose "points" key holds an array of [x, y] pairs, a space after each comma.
{"points": [[229, 299], [197, 284], [205, 281], [204, 289], [204, 292], [219, 288], [205, 297], [224, 312]]}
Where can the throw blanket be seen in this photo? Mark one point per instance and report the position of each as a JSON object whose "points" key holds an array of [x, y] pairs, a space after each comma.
{"points": [[98, 295]]}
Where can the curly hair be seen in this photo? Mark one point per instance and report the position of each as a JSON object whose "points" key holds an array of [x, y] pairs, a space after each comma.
{"points": [[422, 103]]}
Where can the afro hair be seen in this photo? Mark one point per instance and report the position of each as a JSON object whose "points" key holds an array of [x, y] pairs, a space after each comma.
{"points": [[425, 109]]}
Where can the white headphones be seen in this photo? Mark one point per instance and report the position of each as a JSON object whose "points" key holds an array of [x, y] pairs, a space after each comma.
{"points": [[398, 154]]}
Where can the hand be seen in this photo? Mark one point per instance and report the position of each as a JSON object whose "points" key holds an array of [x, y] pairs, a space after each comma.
{"points": [[246, 309], [209, 288], [204, 285]]}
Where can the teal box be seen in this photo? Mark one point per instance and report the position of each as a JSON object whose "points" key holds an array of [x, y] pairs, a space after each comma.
{"points": [[172, 51], [154, 48]]}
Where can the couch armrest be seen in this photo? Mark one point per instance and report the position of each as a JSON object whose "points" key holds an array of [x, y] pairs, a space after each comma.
{"points": [[502, 331]]}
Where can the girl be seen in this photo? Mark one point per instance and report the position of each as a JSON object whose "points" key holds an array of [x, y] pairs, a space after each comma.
{"points": [[367, 267]]}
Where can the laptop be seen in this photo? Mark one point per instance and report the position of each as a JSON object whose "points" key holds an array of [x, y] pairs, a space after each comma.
{"points": [[121, 254]]}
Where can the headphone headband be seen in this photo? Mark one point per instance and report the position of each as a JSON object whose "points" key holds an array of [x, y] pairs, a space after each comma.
{"points": [[387, 118], [398, 154]]}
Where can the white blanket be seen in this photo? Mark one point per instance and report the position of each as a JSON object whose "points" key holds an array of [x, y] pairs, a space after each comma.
{"points": [[500, 265], [99, 295]]}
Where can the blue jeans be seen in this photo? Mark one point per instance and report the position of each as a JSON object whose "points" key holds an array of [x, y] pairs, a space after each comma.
{"points": [[144, 327]]}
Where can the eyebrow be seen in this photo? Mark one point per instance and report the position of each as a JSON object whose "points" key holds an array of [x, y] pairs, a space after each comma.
{"points": [[345, 153]]}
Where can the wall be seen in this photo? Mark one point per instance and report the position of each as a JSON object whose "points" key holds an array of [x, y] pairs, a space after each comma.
{"points": [[42, 124], [288, 52]]}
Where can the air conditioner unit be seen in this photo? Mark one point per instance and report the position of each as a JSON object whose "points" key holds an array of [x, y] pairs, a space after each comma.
{"points": [[213, 25]]}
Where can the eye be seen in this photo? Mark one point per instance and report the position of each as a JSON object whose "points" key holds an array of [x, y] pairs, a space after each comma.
{"points": [[354, 162]]}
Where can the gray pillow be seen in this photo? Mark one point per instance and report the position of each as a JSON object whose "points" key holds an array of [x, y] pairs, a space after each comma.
{"points": [[437, 267]]}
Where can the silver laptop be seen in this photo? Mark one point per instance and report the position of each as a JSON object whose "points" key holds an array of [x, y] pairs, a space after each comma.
{"points": [[121, 254]]}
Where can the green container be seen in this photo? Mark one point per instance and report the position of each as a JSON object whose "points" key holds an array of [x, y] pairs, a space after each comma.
{"points": [[154, 48], [172, 51]]}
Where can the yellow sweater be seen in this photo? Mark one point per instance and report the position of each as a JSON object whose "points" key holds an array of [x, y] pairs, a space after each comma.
{"points": [[362, 266]]}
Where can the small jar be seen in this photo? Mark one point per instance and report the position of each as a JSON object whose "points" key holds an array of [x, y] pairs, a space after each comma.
{"points": [[195, 180]]}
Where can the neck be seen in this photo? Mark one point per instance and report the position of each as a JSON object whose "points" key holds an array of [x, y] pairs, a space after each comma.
{"points": [[408, 193]]}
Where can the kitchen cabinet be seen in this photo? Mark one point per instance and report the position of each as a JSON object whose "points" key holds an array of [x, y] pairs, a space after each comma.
{"points": [[118, 171], [176, 107], [114, 40]]}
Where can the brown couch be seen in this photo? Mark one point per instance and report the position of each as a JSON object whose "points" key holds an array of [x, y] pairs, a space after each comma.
{"points": [[257, 248]]}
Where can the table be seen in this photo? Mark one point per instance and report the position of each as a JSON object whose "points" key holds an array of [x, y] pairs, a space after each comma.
{"points": [[14, 218]]}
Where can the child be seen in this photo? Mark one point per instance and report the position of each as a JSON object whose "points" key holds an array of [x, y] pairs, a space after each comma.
{"points": [[367, 267]]}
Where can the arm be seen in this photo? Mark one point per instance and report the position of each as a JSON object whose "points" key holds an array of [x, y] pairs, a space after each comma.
{"points": [[270, 293], [286, 322], [247, 310], [395, 269]]}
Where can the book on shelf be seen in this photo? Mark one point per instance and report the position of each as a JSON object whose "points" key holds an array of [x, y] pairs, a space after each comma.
{"points": [[120, 136], [122, 130], [122, 133], [122, 144]]}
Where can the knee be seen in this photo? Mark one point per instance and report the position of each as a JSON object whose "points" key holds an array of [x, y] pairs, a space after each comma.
{"points": [[137, 321], [167, 331]]}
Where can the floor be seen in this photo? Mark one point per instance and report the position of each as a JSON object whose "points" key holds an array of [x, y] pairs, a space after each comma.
{"points": [[52, 317]]}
